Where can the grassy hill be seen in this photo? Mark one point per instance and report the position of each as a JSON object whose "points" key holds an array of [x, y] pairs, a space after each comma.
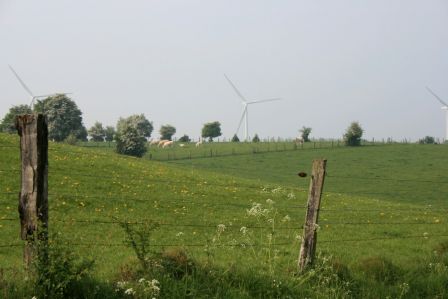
{"points": [[381, 203]]}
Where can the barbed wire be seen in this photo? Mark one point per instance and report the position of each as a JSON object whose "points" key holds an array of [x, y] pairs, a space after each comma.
{"points": [[248, 245], [382, 238], [380, 223], [385, 179]]}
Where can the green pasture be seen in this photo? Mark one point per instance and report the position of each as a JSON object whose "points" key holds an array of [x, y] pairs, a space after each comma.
{"points": [[379, 200]]}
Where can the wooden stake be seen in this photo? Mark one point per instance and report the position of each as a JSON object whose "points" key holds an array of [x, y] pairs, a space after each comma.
{"points": [[33, 196], [308, 246]]}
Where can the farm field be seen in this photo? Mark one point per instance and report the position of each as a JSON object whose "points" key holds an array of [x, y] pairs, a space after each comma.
{"points": [[240, 211]]}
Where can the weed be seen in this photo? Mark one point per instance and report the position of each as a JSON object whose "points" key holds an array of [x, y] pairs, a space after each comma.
{"points": [[138, 238], [59, 271]]}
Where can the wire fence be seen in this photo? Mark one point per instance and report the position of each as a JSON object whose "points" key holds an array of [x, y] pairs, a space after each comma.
{"points": [[79, 173]]}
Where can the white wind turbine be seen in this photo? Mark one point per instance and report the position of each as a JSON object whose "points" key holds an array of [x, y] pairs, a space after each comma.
{"points": [[444, 107], [32, 96], [245, 104]]}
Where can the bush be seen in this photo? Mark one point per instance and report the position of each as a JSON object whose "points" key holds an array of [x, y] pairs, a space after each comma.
{"points": [[235, 138], [129, 142], [71, 139], [58, 270], [352, 136], [184, 138], [256, 138], [427, 140]]}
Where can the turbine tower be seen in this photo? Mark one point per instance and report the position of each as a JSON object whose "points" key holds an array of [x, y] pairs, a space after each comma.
{"points": [[246, 103], [32, 96], [444, 107]]}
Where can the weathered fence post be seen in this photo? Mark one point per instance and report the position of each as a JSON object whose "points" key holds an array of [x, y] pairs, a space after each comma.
{"points": [[33, 196], [308, 245]]}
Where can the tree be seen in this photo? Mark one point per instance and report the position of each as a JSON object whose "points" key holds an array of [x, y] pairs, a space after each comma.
{"points": [[184, 138], [211, 130], [256, 138], [64, 117], [130, 141], [139, 122], [8, 124], [427, 140], [97, 132], [235, 138], [352, 136], [109, 133], [305, 133], [166, 132]]}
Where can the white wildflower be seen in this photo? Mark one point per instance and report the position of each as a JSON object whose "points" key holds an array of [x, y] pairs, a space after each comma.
{"points": [[141, 280], [255, 210], [121, 284], [243, 230], [291, 195], [286, 218], [221, 228], [179, 234], [270, 201], [155, 286], [129, 291]]}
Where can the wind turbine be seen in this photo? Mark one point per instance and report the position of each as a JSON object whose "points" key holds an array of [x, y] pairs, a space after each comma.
{"points": [[444, 107], [245, 104], [32, 96]]}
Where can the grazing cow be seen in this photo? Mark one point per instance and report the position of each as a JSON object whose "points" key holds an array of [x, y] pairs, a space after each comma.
{"points": [[168, 144], [154, 142], [299, 141], [162, 142], [182, 145]]}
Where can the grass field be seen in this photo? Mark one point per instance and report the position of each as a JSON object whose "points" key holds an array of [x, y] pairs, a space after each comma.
{"points": [[386, 201]]}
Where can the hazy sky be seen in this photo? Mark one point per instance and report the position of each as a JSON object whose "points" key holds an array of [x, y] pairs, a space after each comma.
{"points": [[332, 62]]}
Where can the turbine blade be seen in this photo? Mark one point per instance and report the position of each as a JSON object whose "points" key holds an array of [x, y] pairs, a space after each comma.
{"points": [[241, 119], [235, 89], [262, 101], [436, 96], [21, 82]]}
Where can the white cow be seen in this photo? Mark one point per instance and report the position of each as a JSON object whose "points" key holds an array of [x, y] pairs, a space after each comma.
{"points": [[154, 142], [162, 142], [169, 143]]}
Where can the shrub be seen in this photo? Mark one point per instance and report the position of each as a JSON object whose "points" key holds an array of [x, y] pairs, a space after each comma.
{"points": [[235, 138], [176, 262], [352, 136], [138, 237], [58, 270], [256, 138], [184, 138], [71, 139], [427, 140], [305, 133], [129, 142]]}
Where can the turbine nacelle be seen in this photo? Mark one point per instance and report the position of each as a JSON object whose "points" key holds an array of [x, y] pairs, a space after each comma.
{"points": [[245, 103]]}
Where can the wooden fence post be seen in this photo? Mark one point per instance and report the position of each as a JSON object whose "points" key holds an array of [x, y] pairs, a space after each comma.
{"points": [[33, 196], [308, 245]]}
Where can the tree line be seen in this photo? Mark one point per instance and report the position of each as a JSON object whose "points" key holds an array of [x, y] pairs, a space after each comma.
{"points": [[130, 134]]}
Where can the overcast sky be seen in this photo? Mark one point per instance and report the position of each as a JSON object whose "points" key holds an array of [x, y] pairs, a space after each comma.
{"points": [[332, 62]]}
